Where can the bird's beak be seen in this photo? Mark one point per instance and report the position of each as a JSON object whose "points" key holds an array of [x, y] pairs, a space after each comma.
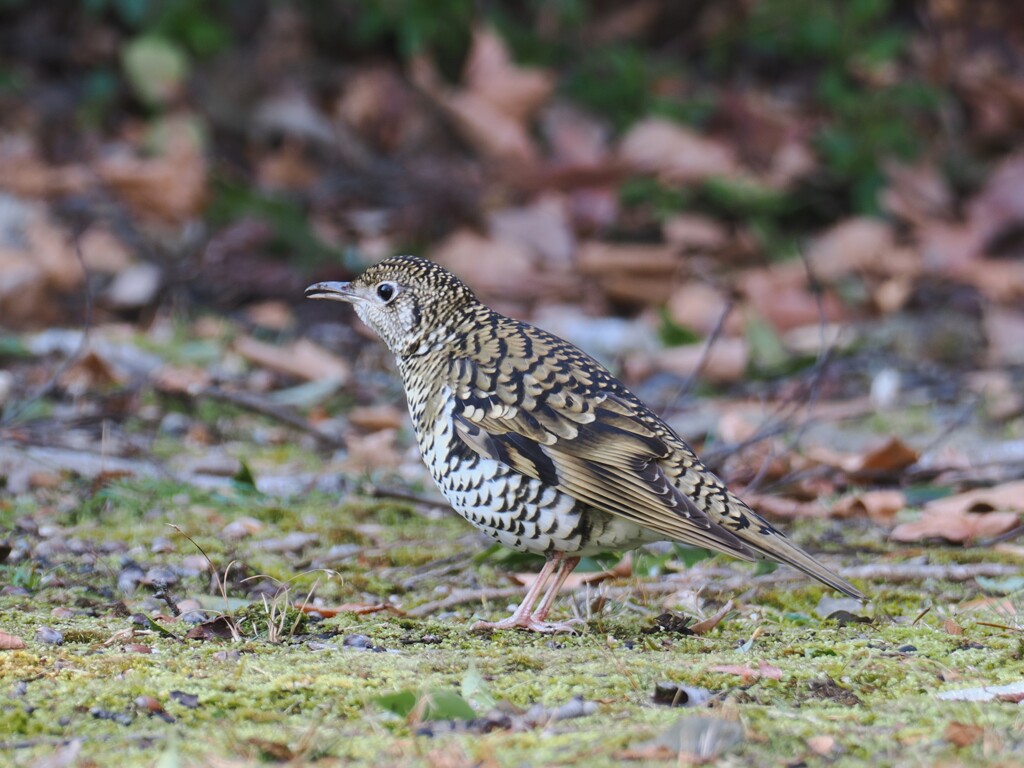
{"points": [[332, 291]]}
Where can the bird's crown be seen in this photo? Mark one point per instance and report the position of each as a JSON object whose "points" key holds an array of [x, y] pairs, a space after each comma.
{"points": [[408, 301]]}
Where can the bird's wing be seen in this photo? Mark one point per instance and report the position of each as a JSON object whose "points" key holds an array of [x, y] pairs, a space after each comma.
{"points": [[546, 423]]}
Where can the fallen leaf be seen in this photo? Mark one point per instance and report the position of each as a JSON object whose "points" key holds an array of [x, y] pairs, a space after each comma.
{"points": [[676, 153], [615, 259], [822, 745], [891, 457], [781, 297], [916, 193], [708, 624], [372, 452], [952, 628], [89, 373], [493, 267], [852, 245], [220, 628], [542, 226], [966, 517], [302, 359], [694, 232], [699, 307], [10, 642], [286, 169], [181, 379], [749, 674], [24, 172], [574, 137], [170, 186], [375, 417], [726, 360], [360, 609], [273, 315], [490, 74], [880, 506]]}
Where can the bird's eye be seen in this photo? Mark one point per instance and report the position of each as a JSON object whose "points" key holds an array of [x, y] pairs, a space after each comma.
{"points": [[386, 292]]}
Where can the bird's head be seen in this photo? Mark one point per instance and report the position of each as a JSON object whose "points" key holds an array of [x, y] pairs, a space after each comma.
{"points": [[411, 303]]}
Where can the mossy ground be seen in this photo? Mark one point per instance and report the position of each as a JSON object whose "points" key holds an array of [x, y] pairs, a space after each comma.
{"points": [[872, 687]]}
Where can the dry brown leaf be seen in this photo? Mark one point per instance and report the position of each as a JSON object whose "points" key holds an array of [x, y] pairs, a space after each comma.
{"points": [[102, 251], [171, 186], [749, 674], [360, 609], [181, 379], [880, 506], [492, 267], [963, 734], [286, 168], [603, 259], [542, 226], [822, 744], [955, 525], [515, 91], [781, 297], [708, 624], [573, 137], [889, 458], [694, 232], [303, 359], [699, 307], [493, 134], [379, 104], [726, 360], [372, 452], [783, 508], [274, 315], [24, 173], [853, 245], [88, 373], [10, 642], [916, 193], [1000, 204], [675, 152], [1004, 330], [375, 417]]}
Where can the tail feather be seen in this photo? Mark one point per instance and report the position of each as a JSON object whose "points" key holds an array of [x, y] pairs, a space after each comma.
{"points": [[759, 535]]}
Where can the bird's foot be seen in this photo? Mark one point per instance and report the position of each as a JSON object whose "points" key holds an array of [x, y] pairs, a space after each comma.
{"points": [[529, 624]]}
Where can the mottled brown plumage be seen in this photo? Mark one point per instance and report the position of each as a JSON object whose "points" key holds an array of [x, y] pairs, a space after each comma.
{"points": [[537, 444]]}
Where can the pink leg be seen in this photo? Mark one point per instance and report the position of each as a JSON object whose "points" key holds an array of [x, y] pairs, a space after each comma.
{"points": [[524, 616], [565, 568]]}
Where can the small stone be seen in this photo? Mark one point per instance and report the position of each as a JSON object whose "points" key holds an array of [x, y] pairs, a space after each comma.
{"points": [[357, 641], [49, 635]]}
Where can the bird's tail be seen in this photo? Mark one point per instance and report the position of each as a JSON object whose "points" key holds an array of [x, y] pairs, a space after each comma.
{"points": [[764, 539]]}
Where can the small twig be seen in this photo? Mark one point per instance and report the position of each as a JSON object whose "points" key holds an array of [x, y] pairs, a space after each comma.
{"points": [[705, 355], [71, 359], [271, 411], [377, 492], [463, 596]]}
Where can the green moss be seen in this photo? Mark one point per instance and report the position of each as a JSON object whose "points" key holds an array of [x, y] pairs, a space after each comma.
{"points": [[860, 684]]}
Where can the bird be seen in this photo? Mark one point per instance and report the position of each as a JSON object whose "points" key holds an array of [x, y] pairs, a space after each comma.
{"points": [[538, 445]]}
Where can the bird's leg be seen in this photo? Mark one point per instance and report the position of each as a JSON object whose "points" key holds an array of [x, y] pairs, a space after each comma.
{"points": [[524, 617], [565, 567]]}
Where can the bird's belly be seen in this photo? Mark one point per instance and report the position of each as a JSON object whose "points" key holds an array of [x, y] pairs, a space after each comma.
{"points": [[525, 514], [519, 511]]}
